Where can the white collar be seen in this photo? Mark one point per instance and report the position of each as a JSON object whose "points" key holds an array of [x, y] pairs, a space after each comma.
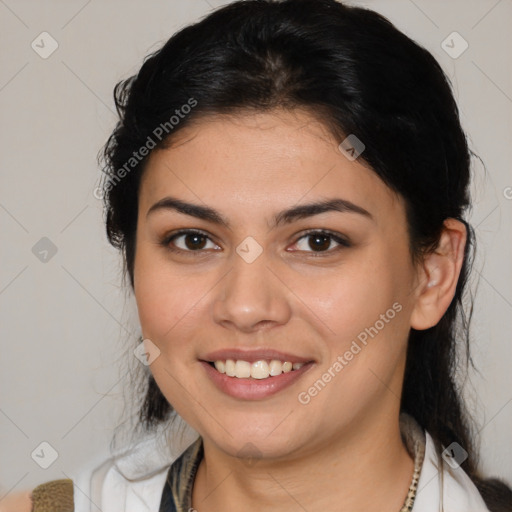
{"points": [[134, 481], [443, 488]]}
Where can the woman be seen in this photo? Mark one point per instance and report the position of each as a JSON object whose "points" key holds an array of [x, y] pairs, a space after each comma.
{"points": [[287, 184]]}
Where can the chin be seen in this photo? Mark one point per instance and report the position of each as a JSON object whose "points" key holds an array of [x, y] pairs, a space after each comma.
{"points": [[256, 439]]}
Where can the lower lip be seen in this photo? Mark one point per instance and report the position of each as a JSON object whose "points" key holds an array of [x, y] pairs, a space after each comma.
{"points": [[253, 389]]}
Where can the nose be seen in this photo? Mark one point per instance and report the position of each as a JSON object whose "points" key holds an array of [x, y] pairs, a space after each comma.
{"points": [[251, 297]]}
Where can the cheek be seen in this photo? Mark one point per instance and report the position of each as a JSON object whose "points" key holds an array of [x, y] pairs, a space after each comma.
{"points": [[165, 299], [359, 294], [369, 298]]}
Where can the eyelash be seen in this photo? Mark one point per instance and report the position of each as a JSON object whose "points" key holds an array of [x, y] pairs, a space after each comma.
{"points": [[343, 243]]}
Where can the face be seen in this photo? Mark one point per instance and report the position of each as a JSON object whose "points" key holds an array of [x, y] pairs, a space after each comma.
{"points": [[233, 262]]}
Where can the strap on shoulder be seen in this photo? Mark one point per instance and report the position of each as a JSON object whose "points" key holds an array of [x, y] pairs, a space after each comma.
{"points": [[53, 496]]}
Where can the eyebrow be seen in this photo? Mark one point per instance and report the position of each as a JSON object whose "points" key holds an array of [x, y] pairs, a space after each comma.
{"points": [[283, 217]]}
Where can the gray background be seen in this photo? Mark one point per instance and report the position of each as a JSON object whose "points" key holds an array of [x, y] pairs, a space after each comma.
{"points": [[67, 324]]}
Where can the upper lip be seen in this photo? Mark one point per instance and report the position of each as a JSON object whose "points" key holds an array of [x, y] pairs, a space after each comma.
{"points": [[253, 355]]}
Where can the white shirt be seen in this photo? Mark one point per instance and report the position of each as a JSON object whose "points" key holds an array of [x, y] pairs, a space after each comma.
{"points": [[134, 483]]}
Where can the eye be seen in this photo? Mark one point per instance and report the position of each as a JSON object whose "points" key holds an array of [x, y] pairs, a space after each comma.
{"points": [[321, 242], [187, 241]]}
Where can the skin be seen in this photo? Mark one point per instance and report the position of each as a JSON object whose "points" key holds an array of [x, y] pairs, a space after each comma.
{"points": [[341, 451], [16, 502]]}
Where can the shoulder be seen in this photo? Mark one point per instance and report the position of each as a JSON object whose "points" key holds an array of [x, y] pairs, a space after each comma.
{"points": [[106, 488], [132, 481], [16, 502], [103, 488], [52, 495], [444, 486]]}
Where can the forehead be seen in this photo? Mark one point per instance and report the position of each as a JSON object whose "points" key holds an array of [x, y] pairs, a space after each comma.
{"points": [[246, 163]]}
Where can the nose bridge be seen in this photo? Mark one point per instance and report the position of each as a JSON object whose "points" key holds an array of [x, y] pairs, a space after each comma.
{"points": [[250, 295]]}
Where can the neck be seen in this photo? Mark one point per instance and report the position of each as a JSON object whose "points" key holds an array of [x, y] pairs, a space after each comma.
{"points": [[365, 467]]}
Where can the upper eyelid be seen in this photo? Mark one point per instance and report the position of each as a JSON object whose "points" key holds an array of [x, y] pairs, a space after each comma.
{"points": [[167, 239], [182, 232], [338, 238]]}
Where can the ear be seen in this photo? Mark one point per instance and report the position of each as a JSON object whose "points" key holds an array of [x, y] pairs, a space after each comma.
{"points": [[438, 275]]}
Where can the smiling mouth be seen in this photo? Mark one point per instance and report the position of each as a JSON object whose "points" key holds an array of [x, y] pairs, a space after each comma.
{"points": [[261, 369]]}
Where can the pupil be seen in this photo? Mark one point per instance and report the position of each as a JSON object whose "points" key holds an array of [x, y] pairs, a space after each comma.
{"points": [[194, 244], [324, 238]]}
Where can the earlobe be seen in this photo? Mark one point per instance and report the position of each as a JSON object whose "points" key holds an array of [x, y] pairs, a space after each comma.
{"points": [[438, 276]]}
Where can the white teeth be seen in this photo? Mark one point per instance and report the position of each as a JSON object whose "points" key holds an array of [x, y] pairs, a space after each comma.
{"points": [[242, 369], [230, 368], [275, 367], [220, 366], [287, 367], [261, 369]]}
